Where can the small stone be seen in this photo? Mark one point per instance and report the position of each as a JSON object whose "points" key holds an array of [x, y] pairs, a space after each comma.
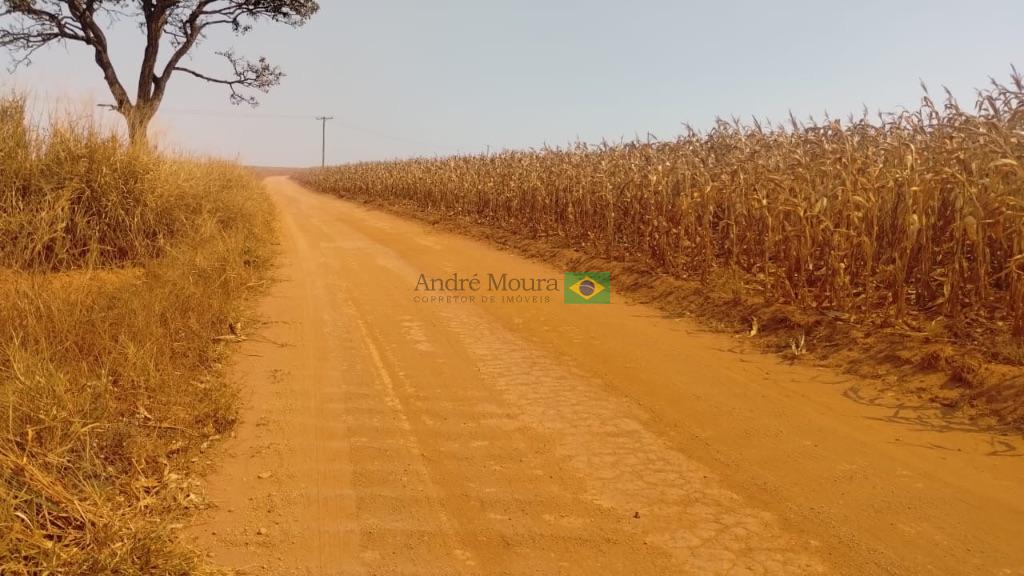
{"points": [[261, 531], [264, 475], [636, 515]]}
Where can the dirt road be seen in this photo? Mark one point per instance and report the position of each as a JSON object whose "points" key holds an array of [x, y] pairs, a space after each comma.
{"points": [[382, 435]]}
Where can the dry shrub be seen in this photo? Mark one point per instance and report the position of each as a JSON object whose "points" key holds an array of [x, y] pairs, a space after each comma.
{"points": [[914, 218], [72, 197], [117, 269]]}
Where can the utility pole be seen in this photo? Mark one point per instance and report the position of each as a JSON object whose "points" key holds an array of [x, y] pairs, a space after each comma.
{"points": [[323, 144]]}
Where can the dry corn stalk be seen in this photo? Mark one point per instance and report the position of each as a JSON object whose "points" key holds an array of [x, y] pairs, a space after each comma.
{"points": [[917, 212]]}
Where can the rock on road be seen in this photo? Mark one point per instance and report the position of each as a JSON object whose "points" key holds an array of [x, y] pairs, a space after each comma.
{"points": [[381, 435]]}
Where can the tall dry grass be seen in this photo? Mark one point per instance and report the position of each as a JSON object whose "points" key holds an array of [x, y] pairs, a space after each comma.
{"points": [[117, 268], [916, 216]]}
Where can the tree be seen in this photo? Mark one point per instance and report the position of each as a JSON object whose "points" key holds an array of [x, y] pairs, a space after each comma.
{"points": [[175, 25]]}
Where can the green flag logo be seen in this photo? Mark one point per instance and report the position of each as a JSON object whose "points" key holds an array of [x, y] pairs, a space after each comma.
{"points": [[588, 287]]}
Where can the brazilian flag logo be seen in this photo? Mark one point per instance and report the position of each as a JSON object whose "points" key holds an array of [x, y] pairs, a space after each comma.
{"points": [[588, 287]]}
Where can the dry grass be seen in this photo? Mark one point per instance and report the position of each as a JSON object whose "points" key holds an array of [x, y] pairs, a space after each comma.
{"points": [[117, 269], [914, 221]]}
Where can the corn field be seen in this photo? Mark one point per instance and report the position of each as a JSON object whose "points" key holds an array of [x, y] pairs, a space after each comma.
{"points": [[917, 214]]}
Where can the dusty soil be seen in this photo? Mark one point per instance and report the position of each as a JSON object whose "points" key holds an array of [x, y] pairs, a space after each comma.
{"points": [[385, 436]]}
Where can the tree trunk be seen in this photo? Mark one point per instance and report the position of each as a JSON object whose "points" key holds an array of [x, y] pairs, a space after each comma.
{"points": [[138, 128], [138, 119]]}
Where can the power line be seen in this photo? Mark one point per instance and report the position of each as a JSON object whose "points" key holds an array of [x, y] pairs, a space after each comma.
{"points": [[271, 116], [348, 125], [215, 114]]}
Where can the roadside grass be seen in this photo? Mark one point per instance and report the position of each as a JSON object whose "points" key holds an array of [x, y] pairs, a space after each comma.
{"points": [[118, 269]]}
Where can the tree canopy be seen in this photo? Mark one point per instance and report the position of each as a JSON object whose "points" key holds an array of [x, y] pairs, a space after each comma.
{"points": [[172, 29]]}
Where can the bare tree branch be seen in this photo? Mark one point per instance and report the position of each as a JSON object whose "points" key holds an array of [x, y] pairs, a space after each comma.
{"points": [[258, 75], [27, 26]]}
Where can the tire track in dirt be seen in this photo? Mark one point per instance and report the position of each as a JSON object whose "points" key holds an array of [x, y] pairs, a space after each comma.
{"points": [[681, 504]]}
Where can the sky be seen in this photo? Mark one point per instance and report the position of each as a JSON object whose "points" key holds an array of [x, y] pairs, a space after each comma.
{"points": [[408, 78]]}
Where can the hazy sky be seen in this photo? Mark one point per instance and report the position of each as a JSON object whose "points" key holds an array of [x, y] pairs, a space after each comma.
{"points": [[410, 77]]}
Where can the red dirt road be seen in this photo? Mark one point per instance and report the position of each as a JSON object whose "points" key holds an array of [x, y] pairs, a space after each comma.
{"points": [[410, 438]]}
